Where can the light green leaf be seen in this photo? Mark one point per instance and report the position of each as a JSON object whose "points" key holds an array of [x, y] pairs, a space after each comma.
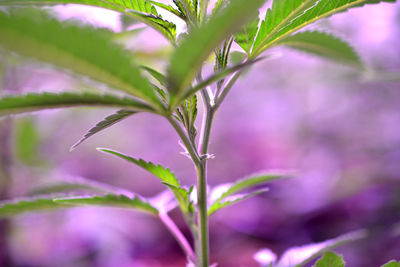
{"points": [[392, 264], [324, 45], [8, 209], [245, 38], [15, 104], [156, 75], [142, 10], [104, 124], [330, 259], [164, 174], [80, 49], [288, 16], [198, 45]]}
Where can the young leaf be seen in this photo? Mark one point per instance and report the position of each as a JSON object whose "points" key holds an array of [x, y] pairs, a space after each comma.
{"points": [[15, 104], [233, 199], [8, 209], [246, 37], [104, 124], [80, 49], [296, 15], [164, 174], [142, 10], [190, 55], [330, 259], [324, 45], [228, 194], [392, 264]]}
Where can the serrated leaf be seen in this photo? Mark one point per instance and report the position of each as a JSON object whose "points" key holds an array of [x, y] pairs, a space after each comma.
{"points": [[194, 50], [227, 194], [233, 199], [80, 49], [142, 10], [104, 124], [330, 259], [246, 37], [392, 264], [288, 16], [164, 174], [8, 209], [16, 104], [169, 8], [324, 45], [156, 75]]}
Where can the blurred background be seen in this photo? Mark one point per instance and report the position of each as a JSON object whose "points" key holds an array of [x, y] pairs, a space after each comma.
{"points": [[340, 129]]}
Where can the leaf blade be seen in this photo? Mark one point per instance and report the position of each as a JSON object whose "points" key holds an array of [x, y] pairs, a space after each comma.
{"points": [[330, 259], [324, 45], [17, 104], [81, 49], [189, 56]]}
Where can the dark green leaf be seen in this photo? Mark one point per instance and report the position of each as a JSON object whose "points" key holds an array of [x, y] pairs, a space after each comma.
{"points": [[104, 124], [164, 174], [194, 50], [15, 104], [330, 259], [324, 45], [80, 49]]}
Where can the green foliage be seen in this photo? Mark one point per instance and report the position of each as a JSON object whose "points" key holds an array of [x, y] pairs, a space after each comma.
{"points": [[324, 45], [193, 51], [26, 141], [187, 114], [246, 37], [164, 174], [287, 16], [142, 10], [8, 209], [330, 259], [392, 264], [104, 124], [35, 102], [80, 49], [229, 195]]}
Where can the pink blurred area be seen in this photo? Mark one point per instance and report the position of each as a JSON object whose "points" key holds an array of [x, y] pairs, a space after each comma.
{"points": [[340, 129]]}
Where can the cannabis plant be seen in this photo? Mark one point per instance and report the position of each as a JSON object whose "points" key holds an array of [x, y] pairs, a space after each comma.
{"points": [[173, 93]]}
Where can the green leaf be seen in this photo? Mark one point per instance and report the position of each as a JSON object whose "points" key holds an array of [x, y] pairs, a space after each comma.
{"points": [[229, 194], [164, 174], [392, 264], [120, 201], [324, 45], [288, 16], [188, 58], [80, 49], [330, 259], [142, 10], [27, 141], [104, 124], [8, 209], [169, 8], [15, 104], [156, 75], [245, 38], [233, 199]]}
